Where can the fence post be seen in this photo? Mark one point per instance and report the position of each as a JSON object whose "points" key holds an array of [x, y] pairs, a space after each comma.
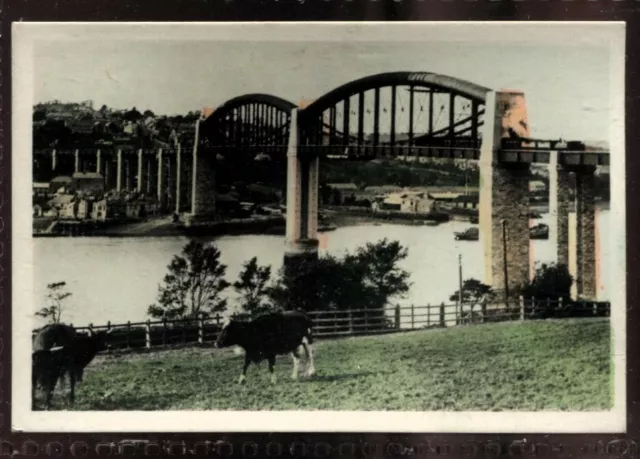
{"points": [[108, 330], [428, 315], [147, 335], [595, 308], [184, 330], [413, 322], [218, 319], [200, 329], [442, 324], [90, 329], [483, 308], [164, 331], [534, 305], [350, 321], [366, 319], [548, 305], [521, 300], [560, 305], [397, 317], [128, 334], [584, 306]]}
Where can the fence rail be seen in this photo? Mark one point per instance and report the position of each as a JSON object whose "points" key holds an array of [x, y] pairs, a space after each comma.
{"points": [[355, 322]]}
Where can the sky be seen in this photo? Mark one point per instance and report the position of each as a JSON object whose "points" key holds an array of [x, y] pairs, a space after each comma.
{"points": [[566, 88]]}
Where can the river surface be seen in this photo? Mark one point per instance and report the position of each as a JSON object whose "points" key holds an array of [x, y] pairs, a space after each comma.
{"points": [[116, 279]]}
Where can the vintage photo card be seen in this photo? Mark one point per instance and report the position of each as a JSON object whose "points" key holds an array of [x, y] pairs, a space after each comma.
{"points": [[366, 227]]}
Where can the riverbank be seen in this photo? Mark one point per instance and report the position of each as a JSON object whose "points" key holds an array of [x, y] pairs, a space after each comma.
{"points": [[331, 218]]}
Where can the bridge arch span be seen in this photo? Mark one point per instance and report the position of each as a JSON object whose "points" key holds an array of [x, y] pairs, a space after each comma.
{"points": [[250, 122], [378, 113]]}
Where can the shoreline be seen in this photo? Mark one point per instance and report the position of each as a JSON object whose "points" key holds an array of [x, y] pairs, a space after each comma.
{"points": [[334, 218]]}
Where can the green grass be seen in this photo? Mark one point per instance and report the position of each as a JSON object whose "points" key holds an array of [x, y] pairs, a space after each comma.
{"points": [[543, 365]]}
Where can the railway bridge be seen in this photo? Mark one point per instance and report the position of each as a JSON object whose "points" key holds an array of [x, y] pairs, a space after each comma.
{"points": [[412, 116]]}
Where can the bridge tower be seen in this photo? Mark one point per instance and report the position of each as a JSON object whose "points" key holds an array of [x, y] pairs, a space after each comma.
{"points": [[302, 202], [504, 198], [203, 200]]}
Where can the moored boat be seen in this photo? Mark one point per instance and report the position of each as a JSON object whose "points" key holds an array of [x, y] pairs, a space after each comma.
{"points": [[539, 231], [470, 234]]}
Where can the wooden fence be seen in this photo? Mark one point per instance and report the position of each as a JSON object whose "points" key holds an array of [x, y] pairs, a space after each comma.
{"points": [[354, 322]]}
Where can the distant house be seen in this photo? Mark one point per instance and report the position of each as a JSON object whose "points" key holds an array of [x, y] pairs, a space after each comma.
{"points": [[61, 182], [536, 186], [68, 211], [99, 211], [41, 188], [417, 202], [89, 182], [61, 200], [341, 191], [84, 209]]}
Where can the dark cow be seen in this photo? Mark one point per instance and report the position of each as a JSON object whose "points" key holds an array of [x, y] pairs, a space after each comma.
{"points": [[59, 351], [269, 335]]}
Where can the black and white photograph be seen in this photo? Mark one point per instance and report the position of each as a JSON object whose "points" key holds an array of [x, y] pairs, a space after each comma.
{"points": [[366, 226]]}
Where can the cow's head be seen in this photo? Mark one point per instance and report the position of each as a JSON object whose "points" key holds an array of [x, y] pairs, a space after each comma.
{"points": [[87, 346], [230, 334]]}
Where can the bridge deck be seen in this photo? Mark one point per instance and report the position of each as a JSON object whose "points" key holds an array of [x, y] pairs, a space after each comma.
{"points": [[524, 155]]}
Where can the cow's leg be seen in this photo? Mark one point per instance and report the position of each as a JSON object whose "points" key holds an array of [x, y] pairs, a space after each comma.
{"points": [[296, 363], [247, 362], [49, 388], [34, 386], [72, 388], [272, 364], [308, 349]]}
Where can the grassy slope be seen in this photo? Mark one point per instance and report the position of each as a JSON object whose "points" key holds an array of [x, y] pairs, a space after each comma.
{"points": [[552, 365]]}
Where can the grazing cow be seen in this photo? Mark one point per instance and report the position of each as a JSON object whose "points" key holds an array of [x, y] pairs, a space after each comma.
{"points": [[53, 335], [269, 335], [69, 356]]}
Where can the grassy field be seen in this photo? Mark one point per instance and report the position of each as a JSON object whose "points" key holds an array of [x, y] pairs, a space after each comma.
{"points": [[543, 365]]}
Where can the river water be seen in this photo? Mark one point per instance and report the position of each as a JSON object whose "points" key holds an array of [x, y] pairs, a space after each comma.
{"points": [[116, 279]]}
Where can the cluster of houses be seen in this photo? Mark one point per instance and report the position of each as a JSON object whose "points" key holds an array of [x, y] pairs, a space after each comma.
{"points": [[418, 200], [82, 197]]}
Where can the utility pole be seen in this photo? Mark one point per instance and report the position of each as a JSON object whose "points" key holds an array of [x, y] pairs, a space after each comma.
{"points": [[460, 282], [504, 262]]}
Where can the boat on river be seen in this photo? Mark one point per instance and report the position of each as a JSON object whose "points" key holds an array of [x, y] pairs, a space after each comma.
{"points": [[470, 234], [539, 231]]}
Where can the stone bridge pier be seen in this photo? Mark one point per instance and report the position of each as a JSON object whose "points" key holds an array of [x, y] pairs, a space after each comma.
{"points": [[302, 203], [572, 202], [504, 203]]}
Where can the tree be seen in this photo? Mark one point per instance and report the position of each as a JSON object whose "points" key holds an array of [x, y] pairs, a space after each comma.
{"points": [[474, 292], [252, 286], [550, 281], [39, 115], [193, 284], [55, 297], [382, 274]]}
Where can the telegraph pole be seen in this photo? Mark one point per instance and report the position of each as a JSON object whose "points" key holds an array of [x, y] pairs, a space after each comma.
{"points": [[504, 261], [460, 282]]}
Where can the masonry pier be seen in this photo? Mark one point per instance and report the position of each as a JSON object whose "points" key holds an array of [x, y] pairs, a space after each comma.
{"points": [[302, 203]]}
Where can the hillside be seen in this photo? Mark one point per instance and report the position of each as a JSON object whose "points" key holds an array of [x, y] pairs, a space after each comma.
{"points": [[541, 365]]}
